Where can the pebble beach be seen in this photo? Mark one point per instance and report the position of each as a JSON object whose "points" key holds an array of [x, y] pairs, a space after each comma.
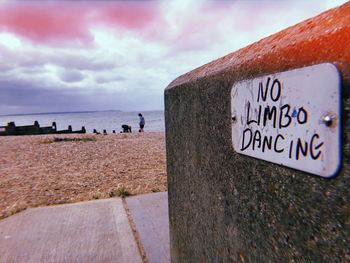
{"points": [[43, 170]]}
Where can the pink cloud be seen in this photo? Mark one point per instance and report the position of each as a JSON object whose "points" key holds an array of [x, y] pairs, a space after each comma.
{"points": [[45, 22], [131, 15], [204, 26], [67, 21], [214, 21], [61, 22]]}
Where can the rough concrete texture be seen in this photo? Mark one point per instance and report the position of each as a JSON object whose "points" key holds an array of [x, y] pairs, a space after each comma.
{"points": [[150, 214], [226, 207], [94, 231]]}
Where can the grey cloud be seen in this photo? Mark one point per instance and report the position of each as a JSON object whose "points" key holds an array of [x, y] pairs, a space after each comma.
{"points": [[5, 67], [69, 60], [33, 70], [102, 80], [71, 76], [18, 96], [82, 63], [28, 97], [29, 87]]}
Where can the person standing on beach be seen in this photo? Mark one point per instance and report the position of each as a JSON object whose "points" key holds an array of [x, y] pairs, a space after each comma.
{"points": [[142, 122]]}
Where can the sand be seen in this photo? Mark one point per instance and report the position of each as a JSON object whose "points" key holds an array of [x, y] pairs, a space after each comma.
{"points": [[39, 171]]}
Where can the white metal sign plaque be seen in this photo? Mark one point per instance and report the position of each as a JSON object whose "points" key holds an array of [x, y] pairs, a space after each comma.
{"points": [[290, 118]]}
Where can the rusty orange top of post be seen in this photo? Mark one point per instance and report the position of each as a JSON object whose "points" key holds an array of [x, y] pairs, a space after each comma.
{"points": [[324, 38]]}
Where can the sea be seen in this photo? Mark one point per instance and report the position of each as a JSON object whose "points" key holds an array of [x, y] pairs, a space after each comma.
{"points": [[99, 120]]}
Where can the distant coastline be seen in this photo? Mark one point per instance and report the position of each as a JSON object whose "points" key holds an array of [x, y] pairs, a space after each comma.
{"points": [[64, 112]]}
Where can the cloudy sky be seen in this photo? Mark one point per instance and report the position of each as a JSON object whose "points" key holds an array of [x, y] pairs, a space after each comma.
{"points": [[101, 55]]}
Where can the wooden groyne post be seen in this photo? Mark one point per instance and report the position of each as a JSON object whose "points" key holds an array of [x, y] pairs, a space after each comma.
{"points": [[35, 129]]}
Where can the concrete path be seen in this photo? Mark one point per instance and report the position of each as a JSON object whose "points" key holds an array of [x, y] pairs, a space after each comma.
{"points": [[150, 214], [94, 231]]}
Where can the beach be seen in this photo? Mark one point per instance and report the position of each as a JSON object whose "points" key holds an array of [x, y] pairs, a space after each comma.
{"points": [[45, 170]]}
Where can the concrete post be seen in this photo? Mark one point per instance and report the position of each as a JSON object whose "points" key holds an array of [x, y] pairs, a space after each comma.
{"points": [[229, 207]]}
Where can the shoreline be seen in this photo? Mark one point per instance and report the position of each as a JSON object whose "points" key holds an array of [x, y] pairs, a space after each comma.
{"points": [[37, 170]]}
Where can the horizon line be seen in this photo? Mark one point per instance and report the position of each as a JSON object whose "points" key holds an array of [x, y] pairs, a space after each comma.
{"points": [[67, 112]]}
